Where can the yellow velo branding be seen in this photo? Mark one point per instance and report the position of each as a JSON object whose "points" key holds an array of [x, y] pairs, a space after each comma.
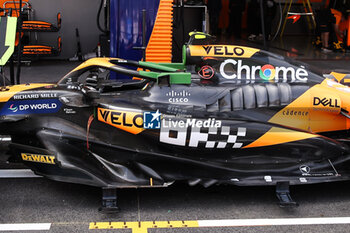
{"points": [[222, 51], [129, 121], [49, 159]]}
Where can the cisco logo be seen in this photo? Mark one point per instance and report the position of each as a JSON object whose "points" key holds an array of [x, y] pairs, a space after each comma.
{"points": [[178, 96]]}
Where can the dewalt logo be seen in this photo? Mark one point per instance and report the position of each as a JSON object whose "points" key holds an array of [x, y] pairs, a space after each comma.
{"points": [[129, 121], [49, 159]]}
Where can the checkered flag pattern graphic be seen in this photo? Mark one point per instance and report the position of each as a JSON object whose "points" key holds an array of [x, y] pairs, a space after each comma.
{"points": [[231, 138]]}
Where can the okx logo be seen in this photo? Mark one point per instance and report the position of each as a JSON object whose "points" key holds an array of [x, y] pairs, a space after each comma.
{"points": [[151, 120]]}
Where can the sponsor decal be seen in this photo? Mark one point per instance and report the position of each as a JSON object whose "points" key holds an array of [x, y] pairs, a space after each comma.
{"points": [[211, 122], [173, 110], [326, 102], [329, 103], [48, 95], [49, 159], [126, 120], [293, 112], [41, 106], [13, 108], [151, 120], [201, 134], [178, 96], [304, 169], [206, 72], [222, 51], [69, 111], [266, 72]]}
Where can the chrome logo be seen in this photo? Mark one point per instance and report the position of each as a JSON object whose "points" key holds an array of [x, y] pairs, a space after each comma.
{"points": [[267, 72]]}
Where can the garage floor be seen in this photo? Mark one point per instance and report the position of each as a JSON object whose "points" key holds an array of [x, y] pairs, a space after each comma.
{"points": [[73, 208]]}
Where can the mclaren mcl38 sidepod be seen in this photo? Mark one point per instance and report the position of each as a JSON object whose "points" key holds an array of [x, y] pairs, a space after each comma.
{"points": [[226, 114]]}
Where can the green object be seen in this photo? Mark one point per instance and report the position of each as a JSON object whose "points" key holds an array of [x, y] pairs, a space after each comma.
{"points": [[174, 78], [157, 66], [149, 74], [177, 66], [184, 58], [180, 78], [8, 27]]}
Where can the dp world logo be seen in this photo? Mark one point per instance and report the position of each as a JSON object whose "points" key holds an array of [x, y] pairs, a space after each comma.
{"points": [[12, 108], [151, 120]]}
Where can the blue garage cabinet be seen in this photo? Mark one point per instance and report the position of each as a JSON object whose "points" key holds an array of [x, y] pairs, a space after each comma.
{"points": [[126, 26]]}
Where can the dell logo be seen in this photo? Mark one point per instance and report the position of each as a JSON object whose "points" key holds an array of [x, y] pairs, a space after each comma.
{"points": [[326, 102]]}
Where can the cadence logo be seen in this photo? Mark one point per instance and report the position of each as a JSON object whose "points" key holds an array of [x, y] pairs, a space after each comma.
{"points": [[129, 121], [41, 106], [265, 72]]}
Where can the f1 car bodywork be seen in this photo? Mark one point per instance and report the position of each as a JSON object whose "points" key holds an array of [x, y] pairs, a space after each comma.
{"points": [[227, 114]]}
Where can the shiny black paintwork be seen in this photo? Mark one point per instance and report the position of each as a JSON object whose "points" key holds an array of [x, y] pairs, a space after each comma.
{"points": [[105, 155]]}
